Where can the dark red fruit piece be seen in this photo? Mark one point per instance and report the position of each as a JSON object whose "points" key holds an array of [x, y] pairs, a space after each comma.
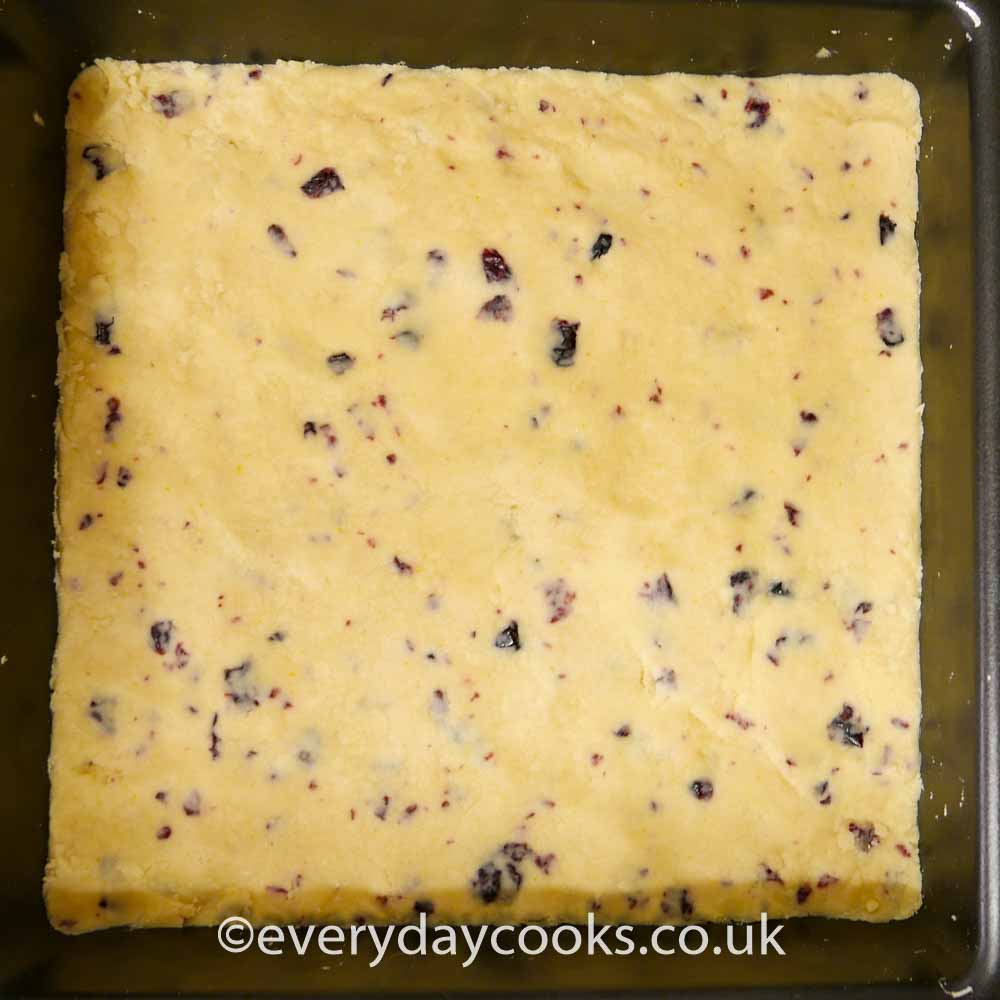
{"points": [[758, 110], [170, 105], [240, 691], [886, 227], [281, 240], [742, 582], [494, 266], [808, 417], [702, 789], [601, 246], [888, 329], [96, 156], [103, 329], [309, 428], [544, 105], [340, 362], [803, 892], [159, 636], [322, 183], [516, 850], [509, 637], [402, 567], [770, 875], [765, 293], [278, 636], [486, 884], [660, 590], [865, 837], [124, 476], [86, 521], [437, 256], [385, 80], [497, 308], [848, 727], [102, 711], [255, 74], [163, 833], [778, 589], [623, 731], [114, 416], [192, 804], [422, 905], [564, 353], [823, 793], [215, 741], [792, 513]]}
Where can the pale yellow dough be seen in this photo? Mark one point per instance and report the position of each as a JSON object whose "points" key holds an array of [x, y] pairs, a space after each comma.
{"points": [[374, 749]]}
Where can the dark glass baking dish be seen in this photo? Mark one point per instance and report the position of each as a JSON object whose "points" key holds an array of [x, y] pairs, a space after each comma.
{"points": [[951, 51]]}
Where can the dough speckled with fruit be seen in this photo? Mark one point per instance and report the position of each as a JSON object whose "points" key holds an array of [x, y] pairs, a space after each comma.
{"points": [[492, 494]]}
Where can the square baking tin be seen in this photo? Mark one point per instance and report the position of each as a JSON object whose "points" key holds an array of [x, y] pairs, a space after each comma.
{"points": [[951, 51]]}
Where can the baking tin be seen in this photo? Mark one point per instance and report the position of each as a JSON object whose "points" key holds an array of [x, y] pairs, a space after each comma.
{"points": [[951, 51]]}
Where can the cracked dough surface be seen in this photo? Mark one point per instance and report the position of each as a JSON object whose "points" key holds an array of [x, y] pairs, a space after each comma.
{"points": [[493, 493]]}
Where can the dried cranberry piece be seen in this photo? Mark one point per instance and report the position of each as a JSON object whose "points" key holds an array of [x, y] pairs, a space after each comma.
{"points": [[494, 266], [309, 428], [340, 362], [808, 417], [169, 105], [792, 513], [240, 690], [215, 740], [103, 329], [281, 240], [865, 837], [848, 727], [192, 804], [742, 582], [778, 589], [114, 416], [159, 636], [564, 353], [516, 851], [886, 228], [124, 476], [660, 590], [759, 110], [422, 905], [486, 884], [402, 566], [497, 308], [322, 183], [509, 637], [623, 731], [97, 155], [102, 711], [803, 892], [888, 329], [823, 793], [163, 833], [601, 245], [702, 789]]}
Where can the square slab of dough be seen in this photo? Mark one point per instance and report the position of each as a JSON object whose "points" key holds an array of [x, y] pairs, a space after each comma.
{"points": [[494, 493]]}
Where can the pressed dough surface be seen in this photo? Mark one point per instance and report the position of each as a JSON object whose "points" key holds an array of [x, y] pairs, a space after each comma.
{"points": [[287, 682]]}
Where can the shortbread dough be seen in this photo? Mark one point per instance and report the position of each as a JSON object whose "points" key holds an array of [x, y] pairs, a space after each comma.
{"points": [[486, 493]]}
